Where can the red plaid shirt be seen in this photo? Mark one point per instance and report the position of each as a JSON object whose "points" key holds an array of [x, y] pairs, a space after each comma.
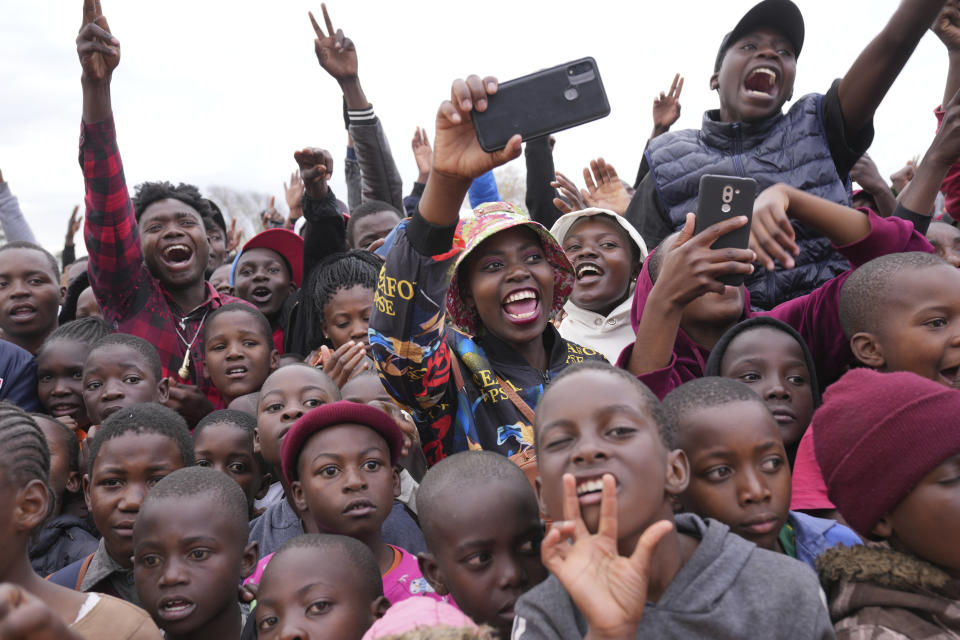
{"points": [[130, 298]]}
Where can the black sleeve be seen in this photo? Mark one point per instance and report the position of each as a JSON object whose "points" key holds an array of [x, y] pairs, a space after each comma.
{"points": [[642, 171], [69, 255], [324, 233], [846, 147], [920, 222], [540, 173], [647, 215]]}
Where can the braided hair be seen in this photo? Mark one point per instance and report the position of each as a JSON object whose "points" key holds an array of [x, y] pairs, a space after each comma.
{"points": [[87, 330], [344, 270], [24, 453]]}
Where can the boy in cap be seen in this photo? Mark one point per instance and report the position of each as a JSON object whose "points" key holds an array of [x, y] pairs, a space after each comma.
{"points": [[906, 426], [812, 146]]}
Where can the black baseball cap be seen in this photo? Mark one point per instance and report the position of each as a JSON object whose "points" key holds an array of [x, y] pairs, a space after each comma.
{"points": [[782, 15]]}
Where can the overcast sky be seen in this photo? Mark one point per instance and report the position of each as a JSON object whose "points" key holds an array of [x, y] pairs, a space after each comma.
{"points": [[219, 93]]}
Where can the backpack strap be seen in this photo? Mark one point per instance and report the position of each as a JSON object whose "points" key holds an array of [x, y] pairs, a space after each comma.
{"points": [[83, 571], [517, 401]]}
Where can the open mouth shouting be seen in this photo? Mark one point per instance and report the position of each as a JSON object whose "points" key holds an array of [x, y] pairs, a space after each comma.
{"points": [[236, 372], [177, 257], [762, 82], [951, 376], [23, 312], [522, 306], [261, 295]]}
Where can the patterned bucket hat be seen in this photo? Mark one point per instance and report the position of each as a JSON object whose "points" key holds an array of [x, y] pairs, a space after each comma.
{"points": [[488, 219]]}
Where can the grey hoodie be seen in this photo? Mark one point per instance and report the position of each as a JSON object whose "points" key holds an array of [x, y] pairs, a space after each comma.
{"points": [[727, 589]]}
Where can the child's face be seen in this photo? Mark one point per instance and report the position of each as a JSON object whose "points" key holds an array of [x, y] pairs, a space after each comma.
{"points": [[927, 522], [29, 294], [771, 362], [60, 379], [125, 469], [188, 561], [347, 316], [312, 593], [371, 228], [347, 484], [87, 304], [919, 330], [489, 552], [237, 356], [285, 396], [365, 389], [738, 470], [175, 246], [262, 278], [945, 239], [229, 449], [748, 95], [218, 247], [220, 279], [511, 284], [602, 258], [61, 477], [594, 423], [116, 376]]}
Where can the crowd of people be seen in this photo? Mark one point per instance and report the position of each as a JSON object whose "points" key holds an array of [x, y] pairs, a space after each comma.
{"points": [[381, 419]]}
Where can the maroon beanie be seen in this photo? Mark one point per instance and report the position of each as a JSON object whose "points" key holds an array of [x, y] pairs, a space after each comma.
{"points": [[330, 415], [878, 435]]}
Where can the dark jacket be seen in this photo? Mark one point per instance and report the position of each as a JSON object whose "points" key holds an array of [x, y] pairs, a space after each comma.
{"points": [[60, 542], [794, 148], [18, 377], [875, 593]]}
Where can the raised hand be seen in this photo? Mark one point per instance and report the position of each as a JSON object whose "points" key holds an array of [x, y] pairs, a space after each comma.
{"points": [[335, 52], [947, 25], [272, 218], [342, 363], [610, 590], [666, 108], [73, 225], [99, 51], [24, 616], [422, 153], [316, 168], [234, 237], [607, 192], [575, 199], [294, 195], [456, 152]]}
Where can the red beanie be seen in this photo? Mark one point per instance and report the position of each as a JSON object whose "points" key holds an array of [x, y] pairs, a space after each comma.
{"points": [[330, 415], [878, 435]]}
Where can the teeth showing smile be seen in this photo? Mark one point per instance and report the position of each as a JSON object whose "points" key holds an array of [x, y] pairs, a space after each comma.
{"points": [[590, 486], [588, 269], [236, 371], [520, 295]]}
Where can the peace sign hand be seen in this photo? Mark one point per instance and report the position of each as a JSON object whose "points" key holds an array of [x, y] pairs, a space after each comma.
{"points": [[335, 52]]}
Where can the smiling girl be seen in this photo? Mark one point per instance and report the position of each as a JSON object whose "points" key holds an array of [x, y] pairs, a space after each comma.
{"points": [[497, 277]]}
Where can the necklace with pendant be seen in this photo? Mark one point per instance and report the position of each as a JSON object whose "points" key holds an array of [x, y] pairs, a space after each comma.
{"points": [[184, 371]]}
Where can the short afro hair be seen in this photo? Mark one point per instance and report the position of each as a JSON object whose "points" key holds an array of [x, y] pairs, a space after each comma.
{"points": [[143, 418], [704, 393], [222, 494], [134, 343], [655, 259], [351, 550], [650, 400], [258, 319], [240, 419], [865, 296], [368, 208], [457, 476], [149, 192], [21, 244]]}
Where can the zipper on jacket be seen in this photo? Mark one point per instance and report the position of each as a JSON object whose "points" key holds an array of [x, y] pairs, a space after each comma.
{"points": [[738, 149]]}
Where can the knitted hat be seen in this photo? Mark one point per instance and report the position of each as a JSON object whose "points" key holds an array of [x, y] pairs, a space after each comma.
{"points": [[878, 435], [331, 415], [488, 219], [417, 613], [285, 243]]}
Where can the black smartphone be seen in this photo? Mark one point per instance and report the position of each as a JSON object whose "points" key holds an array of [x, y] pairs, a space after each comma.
{"points": [[542, 103], [721, 198]]}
